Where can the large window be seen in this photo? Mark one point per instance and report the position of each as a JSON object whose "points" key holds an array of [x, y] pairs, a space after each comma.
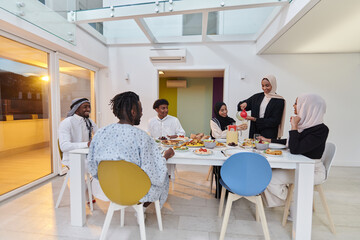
{"points": [[75, 82], [25, 154]]}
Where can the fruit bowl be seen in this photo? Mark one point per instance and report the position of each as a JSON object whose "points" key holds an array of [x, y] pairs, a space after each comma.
{"points": [[261, 145]]}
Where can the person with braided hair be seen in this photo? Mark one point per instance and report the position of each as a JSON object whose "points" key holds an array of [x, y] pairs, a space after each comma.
{"points": [[124, 141]]}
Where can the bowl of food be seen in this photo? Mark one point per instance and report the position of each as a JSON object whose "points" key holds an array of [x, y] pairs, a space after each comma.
{"points": [[209, 143], [261, 145]]}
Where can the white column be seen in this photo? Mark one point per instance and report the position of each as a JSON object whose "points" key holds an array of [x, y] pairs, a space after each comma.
{"points": [[77, 189], [303, 200]]}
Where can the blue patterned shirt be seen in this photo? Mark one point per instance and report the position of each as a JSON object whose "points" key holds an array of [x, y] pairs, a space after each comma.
{"points": [[125, 142]]}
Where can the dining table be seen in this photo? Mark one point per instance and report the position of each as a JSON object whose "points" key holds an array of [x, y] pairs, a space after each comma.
{"points": [[303, 192]]}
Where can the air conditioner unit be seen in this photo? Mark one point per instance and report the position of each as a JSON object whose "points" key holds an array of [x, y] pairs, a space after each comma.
{"points": [[167, 55]]}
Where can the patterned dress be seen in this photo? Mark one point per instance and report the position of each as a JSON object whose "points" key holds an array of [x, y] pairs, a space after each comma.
{"points": [[126, 142]]}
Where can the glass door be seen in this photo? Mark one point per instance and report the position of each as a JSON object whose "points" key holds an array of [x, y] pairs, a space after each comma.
{"points": [[76, 80], [25, 129]]}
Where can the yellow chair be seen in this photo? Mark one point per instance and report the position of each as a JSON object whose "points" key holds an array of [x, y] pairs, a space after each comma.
{"points": [[327, 158], [88, 183], [125, 183]]}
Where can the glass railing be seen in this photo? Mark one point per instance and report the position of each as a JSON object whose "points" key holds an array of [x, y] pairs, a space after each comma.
{"points": [[35, 12]]}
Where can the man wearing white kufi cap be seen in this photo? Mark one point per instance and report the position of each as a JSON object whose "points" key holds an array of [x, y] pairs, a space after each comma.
{"points": [[76, 130]]}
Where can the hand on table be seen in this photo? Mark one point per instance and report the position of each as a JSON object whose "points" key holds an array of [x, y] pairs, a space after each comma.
{"points": [[169, 153]]}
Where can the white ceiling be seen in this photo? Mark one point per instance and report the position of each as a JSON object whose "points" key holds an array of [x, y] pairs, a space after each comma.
{"points": [[331, 26]]}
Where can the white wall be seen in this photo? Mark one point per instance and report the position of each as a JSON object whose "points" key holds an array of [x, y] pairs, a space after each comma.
{"points": [[333, 76]]}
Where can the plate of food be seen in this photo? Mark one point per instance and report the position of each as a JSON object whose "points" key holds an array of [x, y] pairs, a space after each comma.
{"points": [[203, 152], [273, 153], [171, 143], [220, 145], [248, 143], [181, 148], [194, 143], [277, 146]]}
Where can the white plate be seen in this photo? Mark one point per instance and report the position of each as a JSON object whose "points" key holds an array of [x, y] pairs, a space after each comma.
{"points": [[204, 154], [233, 151], [221, 140], [277, 146], [271, 155]]}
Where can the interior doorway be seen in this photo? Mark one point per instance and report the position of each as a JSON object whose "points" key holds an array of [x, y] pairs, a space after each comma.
{"points": [[192, 95]]}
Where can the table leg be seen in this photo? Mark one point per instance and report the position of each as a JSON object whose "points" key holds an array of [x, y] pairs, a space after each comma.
{"points": [[171, 171], [303, 200], [77, 189]]}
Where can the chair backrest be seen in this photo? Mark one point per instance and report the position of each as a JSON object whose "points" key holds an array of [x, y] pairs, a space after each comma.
{"points": [[246, 173], [328, 156], [60, 152], [123, 182]]}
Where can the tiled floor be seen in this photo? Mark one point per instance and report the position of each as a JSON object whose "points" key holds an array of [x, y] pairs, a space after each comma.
{"points": [[189, 213]]}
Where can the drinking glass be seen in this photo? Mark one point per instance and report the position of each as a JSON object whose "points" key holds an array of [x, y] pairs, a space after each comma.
{"points": [[256, 136]]}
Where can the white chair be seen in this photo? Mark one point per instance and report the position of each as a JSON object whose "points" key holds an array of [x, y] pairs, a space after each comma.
{"points": [[125, 183], [88, 183], [327, 158]]}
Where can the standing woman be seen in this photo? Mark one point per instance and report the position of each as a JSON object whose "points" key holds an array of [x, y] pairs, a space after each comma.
{"points": [[267, 110], [219, 123], [307, 136]]}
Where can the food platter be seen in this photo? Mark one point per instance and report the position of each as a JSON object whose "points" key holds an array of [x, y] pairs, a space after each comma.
{"points": [[277, 146], [171, 143]]}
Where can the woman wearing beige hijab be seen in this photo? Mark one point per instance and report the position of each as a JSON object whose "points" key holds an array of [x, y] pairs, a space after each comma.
{"points": [[307, 136], [267, 110]]}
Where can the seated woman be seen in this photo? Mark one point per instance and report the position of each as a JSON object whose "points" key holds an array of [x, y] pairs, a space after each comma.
{"points": [[218, 126], [124, 141], [219, 123], [307, 136]]}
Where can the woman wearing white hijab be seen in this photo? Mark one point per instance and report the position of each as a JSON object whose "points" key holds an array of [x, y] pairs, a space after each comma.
{"points": [[307, 136], [267, 110]]}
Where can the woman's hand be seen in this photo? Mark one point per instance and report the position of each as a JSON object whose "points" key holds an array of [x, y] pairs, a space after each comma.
{"points": [[243, 105], [261, 138], [169, 153], [243, 126], [251, 118], [294, 121]]}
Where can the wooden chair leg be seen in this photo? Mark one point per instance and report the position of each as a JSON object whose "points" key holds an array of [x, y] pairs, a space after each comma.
{"points": [[324, 203], [257, 217], [211, 182], [226, 215], [209, 173], [287, 204], [259, 205], [222, 199]]}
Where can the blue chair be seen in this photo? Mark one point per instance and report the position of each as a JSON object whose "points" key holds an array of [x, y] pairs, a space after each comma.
{"points": [[244, 174]]}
